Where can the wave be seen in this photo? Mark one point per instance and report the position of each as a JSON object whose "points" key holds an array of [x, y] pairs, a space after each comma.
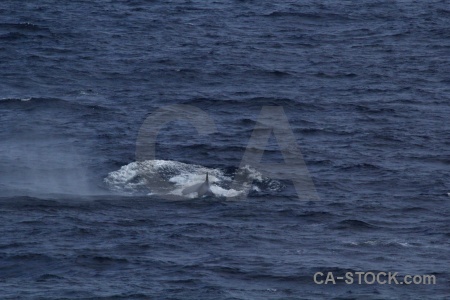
{"points": [[47, 103], [169, 178], [381, 243], [354, 224], [15, 31], [98, 260], [308, 16], [25, 26], [360, 166], [12, 36]]}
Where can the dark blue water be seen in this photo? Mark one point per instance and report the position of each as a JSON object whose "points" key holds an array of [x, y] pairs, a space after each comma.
{"points": [[365, 87]]}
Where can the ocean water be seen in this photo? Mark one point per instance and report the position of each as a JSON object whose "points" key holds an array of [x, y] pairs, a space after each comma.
{"points": [[364, 86]]}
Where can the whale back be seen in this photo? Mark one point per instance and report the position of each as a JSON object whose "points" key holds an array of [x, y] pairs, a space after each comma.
{"points": [[200, 188]]}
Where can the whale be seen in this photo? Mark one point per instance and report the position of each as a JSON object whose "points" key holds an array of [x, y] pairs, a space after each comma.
{"points": [[202, 189]]}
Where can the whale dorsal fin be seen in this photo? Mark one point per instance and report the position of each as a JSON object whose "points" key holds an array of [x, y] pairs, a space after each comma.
{"points": [[199, 188]]}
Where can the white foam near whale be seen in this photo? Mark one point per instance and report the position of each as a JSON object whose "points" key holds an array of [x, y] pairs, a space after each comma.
{"points": [[139, 177]]}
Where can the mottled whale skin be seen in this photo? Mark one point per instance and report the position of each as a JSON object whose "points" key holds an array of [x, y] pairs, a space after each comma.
{"points": [[202, 189]]}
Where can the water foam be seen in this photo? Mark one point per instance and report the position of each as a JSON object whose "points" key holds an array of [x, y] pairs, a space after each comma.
{"points": [[159, 177]]}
